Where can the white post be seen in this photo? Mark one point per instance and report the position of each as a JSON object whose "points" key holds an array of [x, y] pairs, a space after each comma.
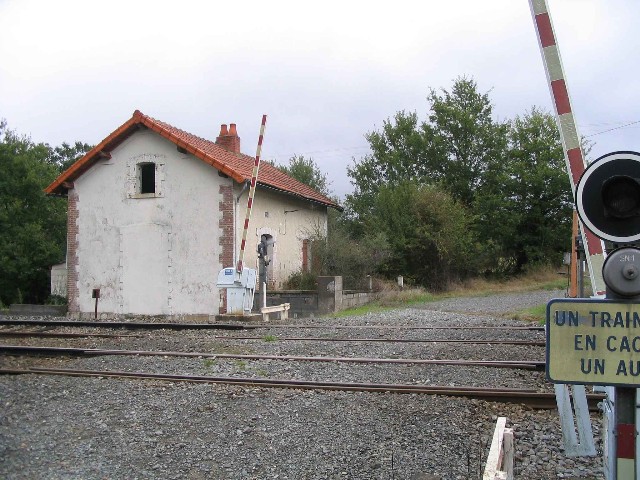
{"points": [[263, 287], [495, 466]]}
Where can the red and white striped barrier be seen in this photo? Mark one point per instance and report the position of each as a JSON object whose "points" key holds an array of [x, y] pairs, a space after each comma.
{"points": [[574, 157], [252, 191]]}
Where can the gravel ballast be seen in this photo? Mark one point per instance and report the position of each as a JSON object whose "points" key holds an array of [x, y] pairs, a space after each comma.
{"points": [[56, 427]]}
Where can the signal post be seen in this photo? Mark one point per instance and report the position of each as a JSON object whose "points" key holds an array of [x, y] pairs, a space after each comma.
{"points": [[608, 203], [597, 341]]}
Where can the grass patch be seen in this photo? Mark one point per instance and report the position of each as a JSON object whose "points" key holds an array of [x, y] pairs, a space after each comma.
{"points": [[532, 314], [546, 278], [240, 364], [209, 362], [270, 338], [388, 300]]}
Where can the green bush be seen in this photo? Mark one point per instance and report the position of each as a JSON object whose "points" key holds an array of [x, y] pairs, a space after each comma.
{"points": [[301, 281], [55, 300]]}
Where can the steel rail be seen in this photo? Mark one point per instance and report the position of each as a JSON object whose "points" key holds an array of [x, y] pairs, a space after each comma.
{"points": [[130, 325], [235, 326], [540, 400], [535, 343], [396, 327], [71, 351], [13, 333]]}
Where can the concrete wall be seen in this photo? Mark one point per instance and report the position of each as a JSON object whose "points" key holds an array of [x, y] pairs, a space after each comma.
{"points": [[353, 299], [325, 300], [329, 294], [150, 254], [37, 310], [304, 303], [289, 221]]}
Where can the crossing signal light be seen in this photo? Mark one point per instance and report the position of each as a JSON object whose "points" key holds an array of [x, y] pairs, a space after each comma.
{"points": [[608, 197], [621, 197]]}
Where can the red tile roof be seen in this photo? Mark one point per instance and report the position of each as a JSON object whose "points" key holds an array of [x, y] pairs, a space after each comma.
{"points": [[236, 165]]}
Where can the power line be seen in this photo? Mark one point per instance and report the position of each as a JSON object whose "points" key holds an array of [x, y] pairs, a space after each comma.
{"points": [[337, 151], [314, 152], [612, 129], [602, 124]]}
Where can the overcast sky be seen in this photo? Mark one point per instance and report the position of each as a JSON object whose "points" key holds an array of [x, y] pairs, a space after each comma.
{"points": [[325, 72]]}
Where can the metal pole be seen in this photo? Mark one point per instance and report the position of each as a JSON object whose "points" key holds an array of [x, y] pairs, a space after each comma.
{"points": [[580, 267], [625, 425], [619, 273], [262, 271], [624, 413], [573, 265]]}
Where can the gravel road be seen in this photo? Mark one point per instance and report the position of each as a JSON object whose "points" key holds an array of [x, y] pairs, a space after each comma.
{"points": [[54, 427]]}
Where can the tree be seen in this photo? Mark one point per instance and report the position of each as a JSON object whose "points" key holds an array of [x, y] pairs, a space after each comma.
{"points": [[454, 147], [32, 226], [465, 140], [65, 155], [428, 233], [338, 253], [528, 197], [399, 154], [305, 170], [341, 254], [507, 181]]}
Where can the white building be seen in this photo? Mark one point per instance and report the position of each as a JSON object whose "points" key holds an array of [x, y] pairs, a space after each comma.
{"points": [[155, 213]]}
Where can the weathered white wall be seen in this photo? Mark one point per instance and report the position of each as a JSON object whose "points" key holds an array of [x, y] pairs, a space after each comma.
{"points": [[157, 255], [288, 220]]}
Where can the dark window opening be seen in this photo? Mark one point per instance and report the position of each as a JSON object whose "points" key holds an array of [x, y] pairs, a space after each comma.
{"points": [[147, 178]]}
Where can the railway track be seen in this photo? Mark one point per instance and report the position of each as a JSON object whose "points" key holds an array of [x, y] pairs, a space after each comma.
{"points": [[92, 352], [531, 398], [535, 343], [10, 333], [244, 326], [278, 384], [127, 325]]}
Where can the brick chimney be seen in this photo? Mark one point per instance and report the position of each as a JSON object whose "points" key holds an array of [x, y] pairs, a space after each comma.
{"points": [[229, 139]]}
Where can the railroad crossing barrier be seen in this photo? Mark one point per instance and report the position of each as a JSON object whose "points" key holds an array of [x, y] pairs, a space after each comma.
{"points": [[607, 198]]}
